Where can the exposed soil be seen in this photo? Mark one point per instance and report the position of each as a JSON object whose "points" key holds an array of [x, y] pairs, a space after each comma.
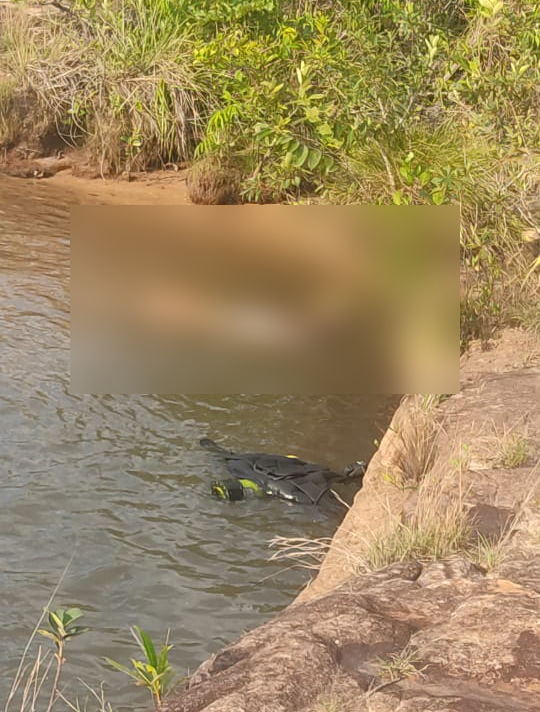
{"points": [[155, 188], [73, 172], [204, 183]]}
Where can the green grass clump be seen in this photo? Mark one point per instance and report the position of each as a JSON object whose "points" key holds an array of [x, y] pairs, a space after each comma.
{"points": [[423, 540], [488, 553], [513, 450], [298, 92], [437, 529]]}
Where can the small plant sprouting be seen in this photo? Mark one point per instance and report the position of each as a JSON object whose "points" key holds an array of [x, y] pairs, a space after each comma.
{"points": [[396, 480], [62, 628], [155, 672], [513, 450]]}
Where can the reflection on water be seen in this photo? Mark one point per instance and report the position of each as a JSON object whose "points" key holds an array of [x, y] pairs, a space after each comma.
{"points": [[121, 482]]}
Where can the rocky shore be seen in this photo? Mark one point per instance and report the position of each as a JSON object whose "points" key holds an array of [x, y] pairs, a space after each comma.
{"points": [[452, 629]]}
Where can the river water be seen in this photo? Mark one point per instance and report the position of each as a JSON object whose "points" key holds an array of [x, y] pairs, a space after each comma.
{"points": [[120, 484]]}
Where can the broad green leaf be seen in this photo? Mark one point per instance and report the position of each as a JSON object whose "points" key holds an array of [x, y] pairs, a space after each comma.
{"points": [[288, 159], [300, 156], [292, 145], [121, 668], [325, 129], [72, 614], [312, 114], [76, 630], [163, 659], [55, 620], [437, 197], [328, 163], [314, 158], [48, 634], [147, 646]]}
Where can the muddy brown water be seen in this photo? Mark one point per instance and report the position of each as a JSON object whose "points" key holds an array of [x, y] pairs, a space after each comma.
{"points": [[120, 484]]}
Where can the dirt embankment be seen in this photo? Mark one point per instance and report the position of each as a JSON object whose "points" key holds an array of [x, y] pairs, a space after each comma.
{"points": [[175, 184], [73, 173], [456, 634]]}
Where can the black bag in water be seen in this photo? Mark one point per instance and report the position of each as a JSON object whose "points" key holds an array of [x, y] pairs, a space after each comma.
{"points": [[284, 476]]}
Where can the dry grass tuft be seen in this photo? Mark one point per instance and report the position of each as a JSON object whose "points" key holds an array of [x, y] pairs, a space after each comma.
{"points": [[417, 453], [328, 703], [96, 698], [32, 687], [438, 528], [400, 665], [211, 184], [302, 552], [487, 553]]}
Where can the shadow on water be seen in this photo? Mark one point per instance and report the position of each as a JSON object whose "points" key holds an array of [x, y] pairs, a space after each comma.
{"points": [[122, 481]]}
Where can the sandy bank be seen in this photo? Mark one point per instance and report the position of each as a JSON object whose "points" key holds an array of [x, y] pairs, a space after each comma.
{"points": [[72, 174]]}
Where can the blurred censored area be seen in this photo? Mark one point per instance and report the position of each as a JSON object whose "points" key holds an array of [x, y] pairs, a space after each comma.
{"points": [[264, 299]]}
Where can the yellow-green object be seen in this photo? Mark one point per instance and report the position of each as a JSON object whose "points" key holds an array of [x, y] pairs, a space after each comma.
{"points": [[219, 491], [235, 489], [250, 485]]}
